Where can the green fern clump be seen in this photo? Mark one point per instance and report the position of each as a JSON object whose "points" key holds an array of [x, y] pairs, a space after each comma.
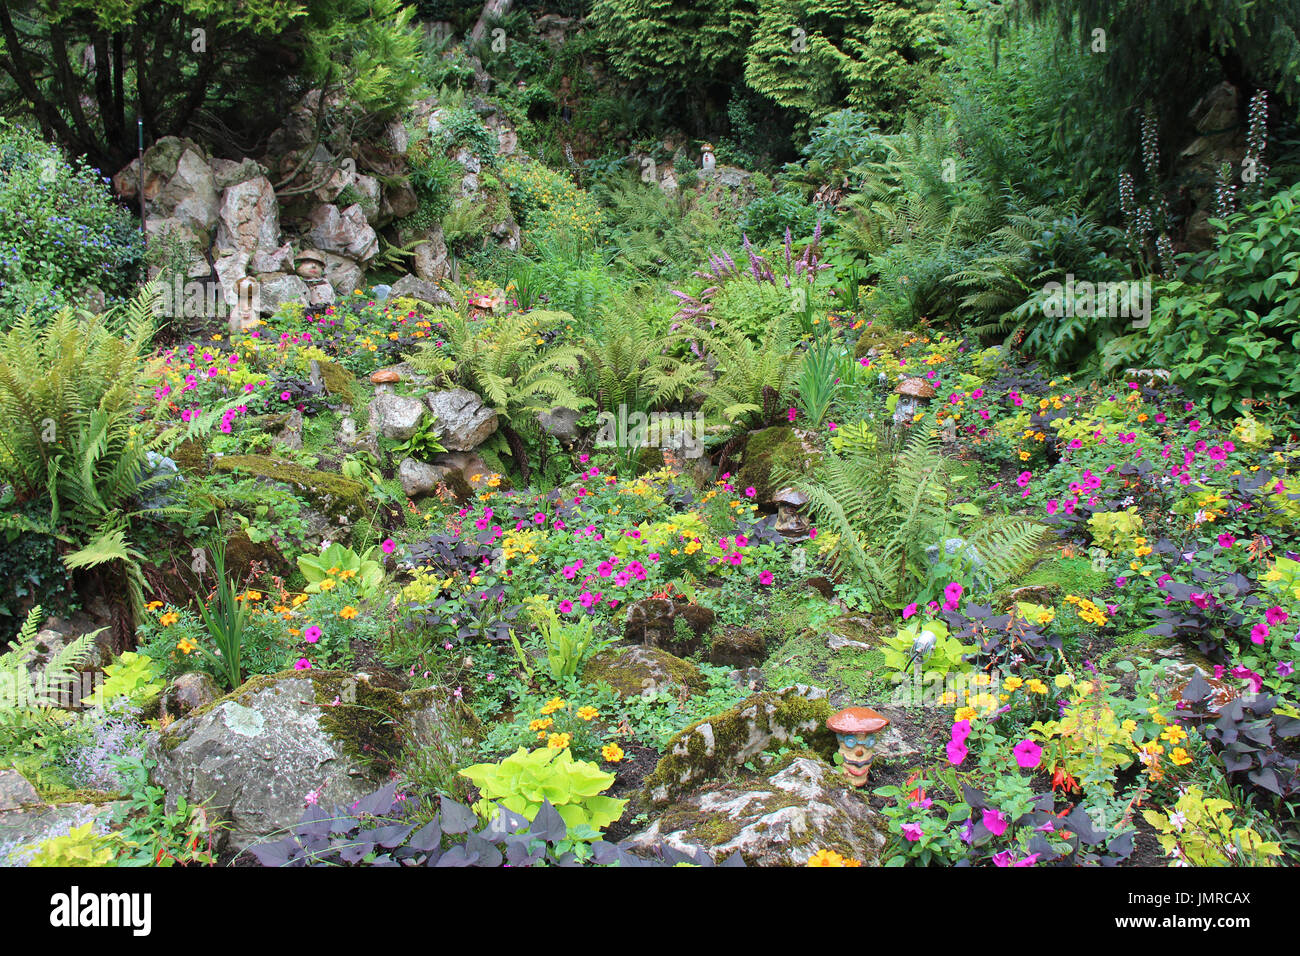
{"points": [[30, 697], [72, 435], [885, 505]]}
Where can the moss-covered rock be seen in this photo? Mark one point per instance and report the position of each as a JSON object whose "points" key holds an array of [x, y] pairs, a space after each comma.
{"points": [[633, 670], [766, 454], [256, 754], [191, 457], [333, 494], [339, 382], [780, 818], [711, 747]]}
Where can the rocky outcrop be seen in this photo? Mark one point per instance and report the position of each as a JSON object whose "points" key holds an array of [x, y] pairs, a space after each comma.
{"points": [[726, 741], [396, 417], [462, 420], [259, 755], [781, 819]]}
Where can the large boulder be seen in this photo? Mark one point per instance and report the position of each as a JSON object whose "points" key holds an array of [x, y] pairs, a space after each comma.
{"points": [[411, 287], [180, 192], [278, 289], [431, 257], [419, 477], [463, 421], [344, 233], [248, 219], [718, 745], [343, 274], [259, 755], [396, 416], [783, 819]]}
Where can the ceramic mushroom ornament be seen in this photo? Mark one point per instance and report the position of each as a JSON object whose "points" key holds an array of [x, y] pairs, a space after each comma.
{"points": [[857, 729]]}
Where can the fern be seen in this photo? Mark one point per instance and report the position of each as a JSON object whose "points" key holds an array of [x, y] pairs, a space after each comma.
{"points": [[886, 505], [71, 431], [25, 691]]}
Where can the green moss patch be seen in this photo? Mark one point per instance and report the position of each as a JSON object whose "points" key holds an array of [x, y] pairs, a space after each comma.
{"points": [[333, 494], [767, 453]]}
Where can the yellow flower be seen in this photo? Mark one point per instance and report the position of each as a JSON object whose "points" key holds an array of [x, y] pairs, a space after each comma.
{"points": [[553, 705], [1180, 757], [328, 584], [185, 645], [168, 619], [153, 605], [612, 752], [830, 858], [1173, 733], [965, 713], [299, 600], [557, 741], [1063, 681], [587, 713], [1035, 686], [1012, 683], [1128, 726], [541, 724], [348, 613]]}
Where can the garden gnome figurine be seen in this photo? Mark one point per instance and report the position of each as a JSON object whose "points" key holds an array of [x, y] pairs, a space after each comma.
{"points": [[857, 729]]}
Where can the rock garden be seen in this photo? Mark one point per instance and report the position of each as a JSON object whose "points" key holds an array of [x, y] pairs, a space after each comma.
{"points": [[474, 455]]}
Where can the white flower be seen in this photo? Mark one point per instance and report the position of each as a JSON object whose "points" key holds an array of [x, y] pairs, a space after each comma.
{"points": [[1177, 820]]}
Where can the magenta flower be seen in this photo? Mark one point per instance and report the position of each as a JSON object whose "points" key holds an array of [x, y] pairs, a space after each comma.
{"points": [[312, 634], [1028, 754], [765, 578], [565, 606], [961, 731], [750, 492], [1258, 633], [1226, 540], [302, 664], [909, 610], [956, 753], [993, 822], [388, 546], [912, 832], [1285, 669], [1275, 615]]}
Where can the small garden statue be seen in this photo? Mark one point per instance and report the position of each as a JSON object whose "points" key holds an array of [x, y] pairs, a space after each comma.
{"points": [[857, 728]]}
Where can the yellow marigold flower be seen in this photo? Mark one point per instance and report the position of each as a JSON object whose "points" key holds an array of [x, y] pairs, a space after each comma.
{"points": [[348, 613], [299, 600], [333, 571], [153, 605], [965, 713], [1128, 726], [328, 584], [541, 724], [185, 645], [1173, 733], [1013, 683], [1156, 715], [553, 705], [587, 713], [612, 752], [557, 741], [1035, 686], [168, 619], [1180, 757]]}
